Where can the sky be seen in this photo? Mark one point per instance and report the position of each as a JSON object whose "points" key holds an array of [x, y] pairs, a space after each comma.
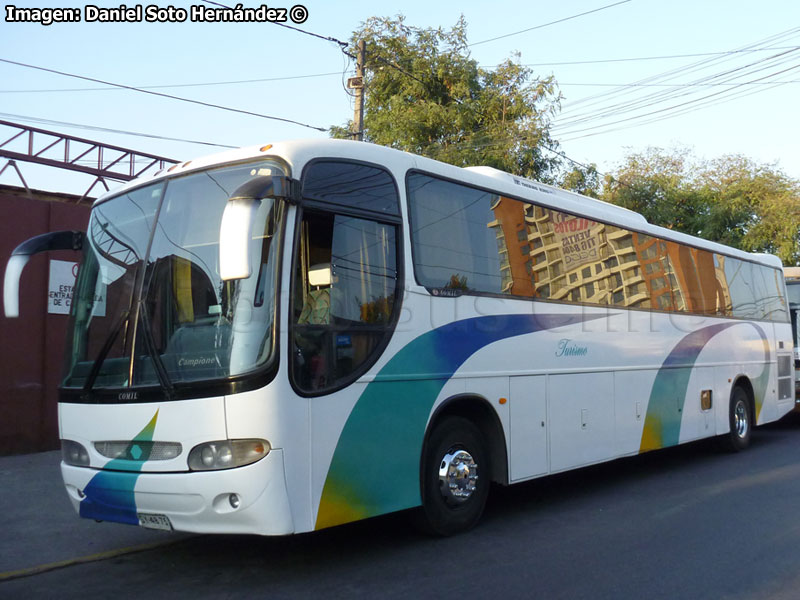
{"points": [[712, 76]]}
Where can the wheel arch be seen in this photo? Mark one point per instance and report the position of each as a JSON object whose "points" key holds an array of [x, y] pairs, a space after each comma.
{"points": [[743, 381], [479, 411]]}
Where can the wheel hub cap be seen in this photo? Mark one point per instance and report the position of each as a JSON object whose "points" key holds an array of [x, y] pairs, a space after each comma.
{"points": [[740, 419], [458, 476]]}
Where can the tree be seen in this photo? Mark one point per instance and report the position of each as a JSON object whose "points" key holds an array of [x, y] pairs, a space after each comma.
{"points": [[730, 200], [755, 207], [424, 94], [582, 180], [659, 186]]}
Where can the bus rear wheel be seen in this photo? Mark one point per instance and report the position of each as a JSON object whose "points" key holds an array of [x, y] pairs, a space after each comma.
{"points": [[740, 415], [455, 478]]}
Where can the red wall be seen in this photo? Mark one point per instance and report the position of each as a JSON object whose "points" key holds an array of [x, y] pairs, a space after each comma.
{"points": [[32, 346]]}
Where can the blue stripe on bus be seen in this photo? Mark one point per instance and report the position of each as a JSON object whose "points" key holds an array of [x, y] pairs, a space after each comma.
{"points": [[375, 467], [372, 472], [110, 493]]}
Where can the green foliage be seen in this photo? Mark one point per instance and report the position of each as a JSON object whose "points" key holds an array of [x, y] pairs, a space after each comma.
{"points": [[731, 200], [582, 180], [660, 187], [426, 95]]}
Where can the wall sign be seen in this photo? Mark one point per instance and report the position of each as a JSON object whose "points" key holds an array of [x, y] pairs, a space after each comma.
{"points": [[61, 286]]}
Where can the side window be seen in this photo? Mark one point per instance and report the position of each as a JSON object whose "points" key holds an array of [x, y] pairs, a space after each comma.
{"points": [[351, 185], [474, 241], [345, 282]]}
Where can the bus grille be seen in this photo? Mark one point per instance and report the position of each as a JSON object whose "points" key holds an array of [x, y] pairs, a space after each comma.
{"points": [[139, 451]]}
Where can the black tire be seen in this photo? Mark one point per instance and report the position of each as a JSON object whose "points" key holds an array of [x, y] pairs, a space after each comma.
{"points": [[740, 417], [446, 510]]}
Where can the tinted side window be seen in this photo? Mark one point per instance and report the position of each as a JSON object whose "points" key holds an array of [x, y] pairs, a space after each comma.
{"points": [[454, 247], [353, 185], [345, 286], [472, 240]]}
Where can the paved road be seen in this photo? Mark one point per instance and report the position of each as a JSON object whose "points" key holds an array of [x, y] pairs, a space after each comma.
{"points": [[689, 522]]}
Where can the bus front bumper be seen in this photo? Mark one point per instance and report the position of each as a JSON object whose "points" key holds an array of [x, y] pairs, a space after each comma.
{"points": [[249, 499]]}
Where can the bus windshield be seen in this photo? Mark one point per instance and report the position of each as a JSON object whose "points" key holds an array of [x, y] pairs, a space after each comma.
{"points": [[150, 307]]}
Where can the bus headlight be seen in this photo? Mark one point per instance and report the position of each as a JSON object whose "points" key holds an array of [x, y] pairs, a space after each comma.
{"points": [[227, 454], [74, 454]]}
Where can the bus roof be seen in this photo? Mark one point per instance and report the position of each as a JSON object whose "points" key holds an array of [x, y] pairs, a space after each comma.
{"points": [[298, 152]]}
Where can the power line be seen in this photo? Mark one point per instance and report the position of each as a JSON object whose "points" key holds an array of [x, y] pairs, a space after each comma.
{"points": [[677, 113], [676, 92], [669, 108], [173, 85], [315, 75], [107, 130], [388, 63], [730, 78], [672, 74], [588, 12], [733, 79], [671, 85], [646, 58], [162, 95], [342, 45]]}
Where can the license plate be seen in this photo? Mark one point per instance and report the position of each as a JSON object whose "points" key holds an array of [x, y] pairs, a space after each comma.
{"points": [[154, 521]]}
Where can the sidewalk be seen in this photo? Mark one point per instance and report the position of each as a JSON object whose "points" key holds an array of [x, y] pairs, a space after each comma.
{"points": [[38, 525]]}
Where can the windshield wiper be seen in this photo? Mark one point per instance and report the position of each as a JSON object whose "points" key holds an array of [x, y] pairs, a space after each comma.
{"points": [[101, 356], [152, 352], [160, 369]]}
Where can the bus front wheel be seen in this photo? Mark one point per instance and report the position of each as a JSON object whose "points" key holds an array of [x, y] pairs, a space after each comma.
{"points": [[455, 478]]}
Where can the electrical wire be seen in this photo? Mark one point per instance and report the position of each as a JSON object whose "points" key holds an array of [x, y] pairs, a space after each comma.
{"points": [[565, 131], [672, 74], [588, 12], [738, 81], [668, 85], [162, 95], [647, 58], [172, 85], [347, 68], [673, 93], [293, 28], [108, 130], [730, 75]]}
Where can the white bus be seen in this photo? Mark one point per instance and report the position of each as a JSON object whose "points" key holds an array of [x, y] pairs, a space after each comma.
{"points": [[280, 339]]}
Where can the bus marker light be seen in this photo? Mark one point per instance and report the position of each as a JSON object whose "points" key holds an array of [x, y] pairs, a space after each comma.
{"points": [[265, 148], [503, 400]]}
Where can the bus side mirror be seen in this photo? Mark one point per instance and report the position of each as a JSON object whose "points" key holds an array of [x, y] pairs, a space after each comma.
{"points": [[57, 240], [234, 238], [237, 221]]}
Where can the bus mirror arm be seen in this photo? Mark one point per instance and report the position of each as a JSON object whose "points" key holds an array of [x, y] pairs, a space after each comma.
{"points": [[237, 220], [56, 240]]}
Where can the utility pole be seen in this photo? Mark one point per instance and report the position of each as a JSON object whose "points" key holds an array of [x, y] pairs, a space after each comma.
{"points": [[357, 83]]}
